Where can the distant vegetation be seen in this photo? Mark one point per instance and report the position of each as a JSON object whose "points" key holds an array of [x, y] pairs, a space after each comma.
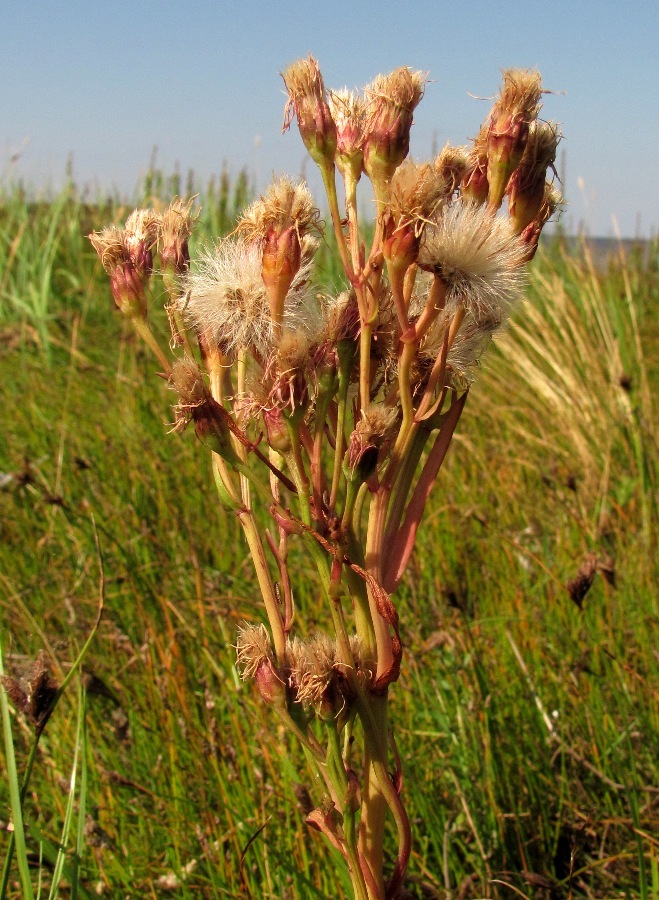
{"points": [[532, 609]]}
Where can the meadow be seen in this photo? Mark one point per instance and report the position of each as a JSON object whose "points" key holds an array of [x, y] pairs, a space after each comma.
{"points": [[527, 710]]}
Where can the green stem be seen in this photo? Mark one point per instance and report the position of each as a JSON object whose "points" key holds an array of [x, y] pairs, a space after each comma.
{"points": [[337, 775], [12, 840], [373, 715], [329, 182], [346, 356], [144, 330], [419, 439], [296, 467]]}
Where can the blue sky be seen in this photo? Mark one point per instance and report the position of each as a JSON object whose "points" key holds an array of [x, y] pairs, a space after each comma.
{"points": [[107, 81]]}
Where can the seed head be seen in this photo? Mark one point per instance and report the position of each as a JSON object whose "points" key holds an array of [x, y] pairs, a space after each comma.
{"points": [[225, 300], [391, 101], [479, 257], [471, 341], [307, 101]]}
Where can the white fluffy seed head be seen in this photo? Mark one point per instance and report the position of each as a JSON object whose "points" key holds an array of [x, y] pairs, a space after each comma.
{"points": [[225, 300], [480, 259]]}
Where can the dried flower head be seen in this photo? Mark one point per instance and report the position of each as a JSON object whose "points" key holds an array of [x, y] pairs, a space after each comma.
{"points": [[475, 186], [349, 113], [226, 302], [526, 187], [253, 648], [255, 660], [286, 204], [128, 268], [453, 165], [416, 191], [479, 258], [514, 109], [188, 382], [313, 670], [111, 246], [413, 198], [317, 675], [391, 101], [285, 373], [196, 404], [552, 203], [372, 433], [32, 690], [175, 228], [142, 229], [307, 101]]}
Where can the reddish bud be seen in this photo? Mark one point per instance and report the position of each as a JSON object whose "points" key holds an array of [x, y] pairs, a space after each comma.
{"points": [[392, 100], [307, 101]]}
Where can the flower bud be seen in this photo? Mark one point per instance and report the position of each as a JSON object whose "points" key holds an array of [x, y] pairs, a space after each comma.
{"points": [[281, 261], [391, 100], [276, 430], [400, 246], [269, 684], [307, 102], [129, 267], [515, 108]]}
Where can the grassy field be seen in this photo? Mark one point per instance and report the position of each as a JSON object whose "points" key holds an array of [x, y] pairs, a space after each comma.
{"points": [[528, 725]]}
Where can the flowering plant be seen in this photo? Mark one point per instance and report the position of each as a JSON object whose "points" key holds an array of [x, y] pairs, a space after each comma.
{"points": [[328, 417]]}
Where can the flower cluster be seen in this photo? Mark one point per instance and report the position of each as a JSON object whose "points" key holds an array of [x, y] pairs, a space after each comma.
{"points": [[335, 413]]}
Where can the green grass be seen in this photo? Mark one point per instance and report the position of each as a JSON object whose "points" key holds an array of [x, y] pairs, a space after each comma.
{"points": [[527, 728]]}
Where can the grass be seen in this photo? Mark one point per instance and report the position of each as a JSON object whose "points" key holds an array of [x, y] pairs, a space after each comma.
{"points": [[527, 726]]}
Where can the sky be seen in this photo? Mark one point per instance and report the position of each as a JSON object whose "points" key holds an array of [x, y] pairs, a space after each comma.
{"points": [[106, 82]]}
